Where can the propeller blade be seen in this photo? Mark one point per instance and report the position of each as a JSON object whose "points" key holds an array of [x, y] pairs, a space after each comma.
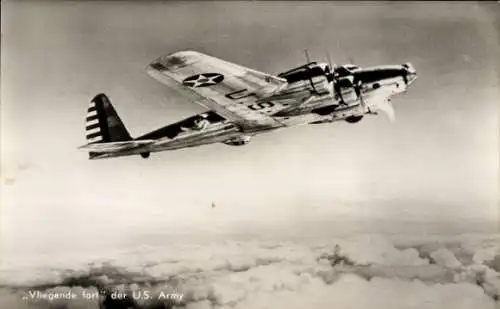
{"points": [[307, 56], [309, 69], [329, 61], [357, 87], [386, 107]]}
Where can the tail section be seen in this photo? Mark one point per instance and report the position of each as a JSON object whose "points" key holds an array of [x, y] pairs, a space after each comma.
{"points": [[103, 125]]}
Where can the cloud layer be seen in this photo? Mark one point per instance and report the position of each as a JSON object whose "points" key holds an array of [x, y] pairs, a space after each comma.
{"points": [[360, 272]]}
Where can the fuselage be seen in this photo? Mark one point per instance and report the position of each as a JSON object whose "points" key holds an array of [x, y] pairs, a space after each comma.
{"points": [[309, 97]]}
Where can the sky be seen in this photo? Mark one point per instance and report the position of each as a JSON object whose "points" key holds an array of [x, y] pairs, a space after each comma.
{"points": [[434, 170]]}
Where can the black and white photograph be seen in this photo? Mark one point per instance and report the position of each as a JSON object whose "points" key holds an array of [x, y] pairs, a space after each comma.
{"points": [[250, 155]]}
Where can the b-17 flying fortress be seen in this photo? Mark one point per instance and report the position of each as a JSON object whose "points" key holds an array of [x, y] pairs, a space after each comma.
{"points": [[243, 102]]}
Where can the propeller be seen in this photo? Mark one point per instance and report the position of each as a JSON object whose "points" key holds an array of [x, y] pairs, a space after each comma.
{"points": [[357, 88], [332, 66], [309, 69], [386, 107], [333, 76], [307, 56], [383, 104]]}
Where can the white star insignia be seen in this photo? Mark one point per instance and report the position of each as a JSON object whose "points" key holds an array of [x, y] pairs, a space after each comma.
{"points": [[204, 81]]}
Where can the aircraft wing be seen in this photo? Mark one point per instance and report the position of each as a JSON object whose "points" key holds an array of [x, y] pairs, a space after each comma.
{"points": [[233, 91]]}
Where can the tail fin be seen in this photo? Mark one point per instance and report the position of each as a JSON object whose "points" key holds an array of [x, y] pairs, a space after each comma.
{"points": [[103, 125]]}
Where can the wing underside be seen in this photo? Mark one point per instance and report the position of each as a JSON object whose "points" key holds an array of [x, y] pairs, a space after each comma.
{"points": [[233, 91]]}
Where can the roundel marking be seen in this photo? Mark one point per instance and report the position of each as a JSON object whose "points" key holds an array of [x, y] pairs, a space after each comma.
{"points": [[203, 80]]}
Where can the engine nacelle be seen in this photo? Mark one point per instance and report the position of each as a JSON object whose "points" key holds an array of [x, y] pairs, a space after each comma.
{"points": [[353, 119], [238, 141]]}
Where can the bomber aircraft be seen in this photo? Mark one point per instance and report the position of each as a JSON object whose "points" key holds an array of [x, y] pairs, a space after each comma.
{"points": [[243, 102]]}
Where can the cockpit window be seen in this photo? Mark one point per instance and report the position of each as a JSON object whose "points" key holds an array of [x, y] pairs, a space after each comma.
{"points": [[351, 67], [345, 70], [342, 71], [302, 73]]}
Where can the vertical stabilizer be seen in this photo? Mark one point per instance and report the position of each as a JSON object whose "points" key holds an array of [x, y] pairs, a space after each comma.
{"points": [[103, 124]]}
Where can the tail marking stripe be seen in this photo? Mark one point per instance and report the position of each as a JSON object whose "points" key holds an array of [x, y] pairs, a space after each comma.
{"points": [[89, 136], [92, 118], [95, 139], [92, 126], [94, 130], [92, 113], [92, 122]]}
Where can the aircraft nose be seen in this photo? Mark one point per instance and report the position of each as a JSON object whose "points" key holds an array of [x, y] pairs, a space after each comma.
{"points": [[410, 73]]}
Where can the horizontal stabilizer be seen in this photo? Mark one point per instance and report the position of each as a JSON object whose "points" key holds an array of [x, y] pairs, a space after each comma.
{"points": [[115, 146]]}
